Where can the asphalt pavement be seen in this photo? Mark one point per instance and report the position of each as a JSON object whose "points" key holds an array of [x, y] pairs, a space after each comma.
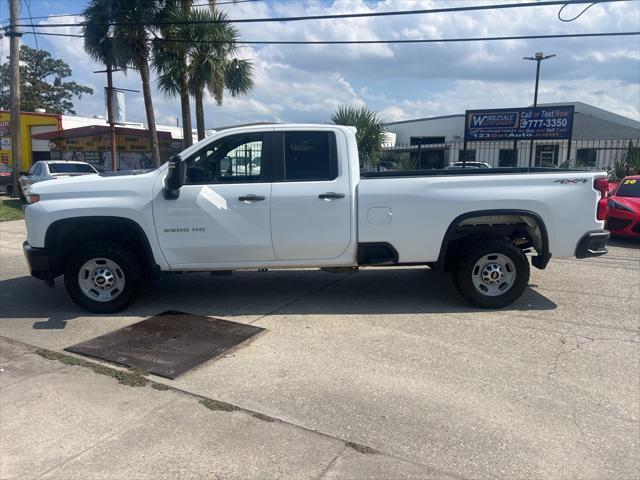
{"points": [[384, 373]]}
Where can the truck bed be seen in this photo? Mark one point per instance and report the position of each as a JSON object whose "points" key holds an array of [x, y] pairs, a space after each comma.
{"points": [[467, 171]]}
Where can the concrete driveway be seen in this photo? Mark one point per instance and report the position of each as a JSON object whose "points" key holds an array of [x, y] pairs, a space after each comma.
{"points": [[383, 373]]}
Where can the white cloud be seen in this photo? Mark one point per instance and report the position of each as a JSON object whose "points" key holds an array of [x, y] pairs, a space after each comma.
{"points": [[618, 97], [306, 83]]}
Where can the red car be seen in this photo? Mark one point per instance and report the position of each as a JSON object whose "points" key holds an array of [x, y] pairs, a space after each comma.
{"points": [[624, 208]]}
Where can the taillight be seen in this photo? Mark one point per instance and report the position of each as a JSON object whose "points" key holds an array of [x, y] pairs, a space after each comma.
{"points": [[602, 185]]}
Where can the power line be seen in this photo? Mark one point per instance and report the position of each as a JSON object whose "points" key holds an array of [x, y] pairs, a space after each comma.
{"points": [[35, 37], [369, 42], [62, 15], [577, 16], [345, 15]]}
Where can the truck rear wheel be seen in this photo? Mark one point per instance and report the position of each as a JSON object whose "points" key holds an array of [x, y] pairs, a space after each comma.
{"points": [[102, 277], [492, 273]]}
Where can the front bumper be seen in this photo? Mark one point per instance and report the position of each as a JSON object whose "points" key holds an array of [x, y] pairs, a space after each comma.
{"points": [[624, 224], [39, 260], [593, 244]]}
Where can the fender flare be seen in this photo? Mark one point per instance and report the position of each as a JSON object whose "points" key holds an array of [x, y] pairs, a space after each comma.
{"points": [[540, 261], [52, 241]]}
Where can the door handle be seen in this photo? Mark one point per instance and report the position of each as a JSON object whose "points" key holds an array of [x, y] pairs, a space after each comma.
{"points": [[251, 198], [330, 195]]}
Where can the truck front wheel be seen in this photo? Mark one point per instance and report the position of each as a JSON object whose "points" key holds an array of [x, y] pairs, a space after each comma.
{"points": [[102, 276], [492, 273]]}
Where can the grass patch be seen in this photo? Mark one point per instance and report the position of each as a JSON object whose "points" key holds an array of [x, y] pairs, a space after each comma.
{"points": [[361, 448], [131, 378], [159, 386], [262, 417], [11, 209], [216, 405]]}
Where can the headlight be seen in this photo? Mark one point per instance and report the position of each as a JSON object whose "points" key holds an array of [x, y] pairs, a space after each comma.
{"points": [[619, 206], [32, 198]]}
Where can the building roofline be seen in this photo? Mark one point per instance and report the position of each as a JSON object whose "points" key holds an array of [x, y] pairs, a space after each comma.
{"points": [[425, 118], [95, 130], [40, 114]]}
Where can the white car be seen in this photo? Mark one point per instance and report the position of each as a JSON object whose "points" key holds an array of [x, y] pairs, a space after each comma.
{"points": [[308, 206], [470, 164], [51, 170]]}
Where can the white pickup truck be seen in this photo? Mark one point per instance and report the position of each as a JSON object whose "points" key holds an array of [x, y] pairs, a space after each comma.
{"points": [[285, 196]]}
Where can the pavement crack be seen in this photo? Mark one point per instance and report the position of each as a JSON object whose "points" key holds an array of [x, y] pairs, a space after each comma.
{"points": [[569, 334], [330, 465], [303, 296], [142, 418], [561, 352]]}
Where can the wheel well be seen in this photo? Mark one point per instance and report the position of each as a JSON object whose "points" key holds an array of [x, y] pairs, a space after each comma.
{"points": [[525, 229], [64, 236]]}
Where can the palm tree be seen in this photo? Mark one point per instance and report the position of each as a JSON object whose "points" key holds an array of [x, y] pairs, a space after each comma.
{"points": [[170, 59], [369, 134], [104, 49], [212, 66], [133, 22], [117, 34]]}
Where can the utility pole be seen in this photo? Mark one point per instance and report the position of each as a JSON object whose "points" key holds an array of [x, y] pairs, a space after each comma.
{"points": [[539, 57], [111, 110], [111, 117], [14, 59]]}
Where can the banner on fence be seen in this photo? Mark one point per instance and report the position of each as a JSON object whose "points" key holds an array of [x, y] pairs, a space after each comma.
{"points": [[532, 123]]}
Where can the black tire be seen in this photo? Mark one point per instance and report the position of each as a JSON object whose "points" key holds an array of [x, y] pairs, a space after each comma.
{"points": [[128, 271], [21, 193], [467, 271]]}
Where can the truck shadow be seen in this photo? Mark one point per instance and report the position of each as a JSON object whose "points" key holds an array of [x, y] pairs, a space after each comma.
{"points": [[293, 292], [624, 242]]}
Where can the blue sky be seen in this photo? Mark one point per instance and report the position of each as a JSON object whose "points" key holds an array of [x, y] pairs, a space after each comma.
{"points": [[307, 83]]}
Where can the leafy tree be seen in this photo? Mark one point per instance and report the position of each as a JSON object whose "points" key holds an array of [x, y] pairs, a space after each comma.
{"points": [[42, 83], [369, 131]]}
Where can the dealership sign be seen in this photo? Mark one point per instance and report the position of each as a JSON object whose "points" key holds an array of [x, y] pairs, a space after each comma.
{"points": [[551, 123]]}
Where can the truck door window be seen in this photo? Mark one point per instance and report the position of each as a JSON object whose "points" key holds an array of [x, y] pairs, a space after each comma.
{"points": [[230, 159], [310, 156]]}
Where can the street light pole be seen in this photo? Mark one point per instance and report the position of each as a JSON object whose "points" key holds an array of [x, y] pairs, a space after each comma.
{"points": [[539, 57]]}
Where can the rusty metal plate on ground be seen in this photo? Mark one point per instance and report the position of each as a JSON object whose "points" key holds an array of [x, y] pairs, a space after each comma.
{"points": [[168, 344]]}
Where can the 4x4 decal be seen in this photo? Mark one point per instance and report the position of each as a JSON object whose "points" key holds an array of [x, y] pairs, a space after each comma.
{"points": [[571, 180]]}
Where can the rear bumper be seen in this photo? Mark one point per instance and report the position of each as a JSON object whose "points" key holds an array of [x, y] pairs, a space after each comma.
{"points": [[593, 244], [39, 260]]}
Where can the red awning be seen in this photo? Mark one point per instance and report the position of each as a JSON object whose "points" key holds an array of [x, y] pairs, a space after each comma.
{"points": [[96, 130]]}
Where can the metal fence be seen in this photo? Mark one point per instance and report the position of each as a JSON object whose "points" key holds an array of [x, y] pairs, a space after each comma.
{"points": [[579, 154]]}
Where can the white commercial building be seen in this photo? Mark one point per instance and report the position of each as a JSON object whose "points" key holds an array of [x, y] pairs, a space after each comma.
{"points": [[598, 138]]}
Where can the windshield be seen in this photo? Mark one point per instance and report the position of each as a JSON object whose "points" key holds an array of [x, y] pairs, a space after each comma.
{"points": [[71, 168], [630, 187]]}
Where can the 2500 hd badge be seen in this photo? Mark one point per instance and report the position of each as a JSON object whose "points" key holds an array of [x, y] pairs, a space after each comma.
{"points": [[184, 230]]}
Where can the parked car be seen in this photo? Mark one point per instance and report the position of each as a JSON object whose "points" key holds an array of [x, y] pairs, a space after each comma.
{"points": [[624, 208], [50, 170], [309, 206], [470, 165]]}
